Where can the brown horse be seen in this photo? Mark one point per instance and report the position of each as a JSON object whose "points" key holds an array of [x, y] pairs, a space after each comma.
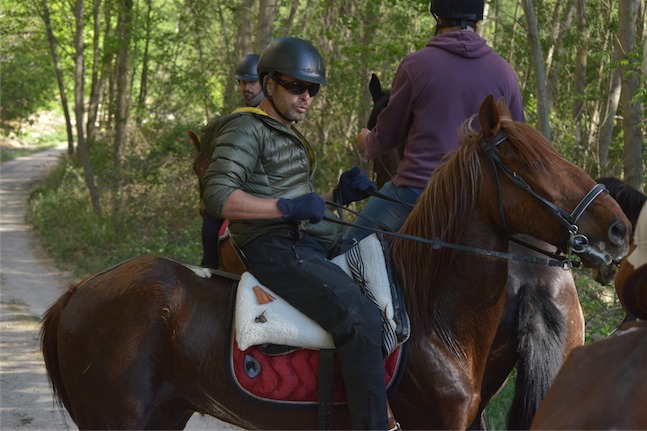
{"points": [[602, 385], [144, 344], [542, 321]]}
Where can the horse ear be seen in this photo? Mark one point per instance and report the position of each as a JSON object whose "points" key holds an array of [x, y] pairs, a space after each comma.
{"points": [[195, 139], [504, 111], [489, 118], [375, 87]]}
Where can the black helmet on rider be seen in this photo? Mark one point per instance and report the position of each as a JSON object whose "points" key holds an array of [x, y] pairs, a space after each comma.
{"points": [[295, 57], [246, 68], [458, 12]]}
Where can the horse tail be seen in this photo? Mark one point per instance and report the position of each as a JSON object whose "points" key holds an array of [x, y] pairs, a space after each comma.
{"points": [[542, 339], [49, 346]]}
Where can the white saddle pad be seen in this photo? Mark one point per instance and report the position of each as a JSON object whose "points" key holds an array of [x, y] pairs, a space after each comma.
{"points": [[261, 316]]}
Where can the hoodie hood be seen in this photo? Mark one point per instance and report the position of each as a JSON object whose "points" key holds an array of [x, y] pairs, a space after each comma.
{"points": [[463, 43]]}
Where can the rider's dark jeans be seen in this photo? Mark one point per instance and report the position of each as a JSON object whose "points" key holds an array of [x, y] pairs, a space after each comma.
{"points": [[210, 251], [294, 265]]}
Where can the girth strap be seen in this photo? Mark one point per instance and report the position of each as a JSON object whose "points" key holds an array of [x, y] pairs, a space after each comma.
{"points": [[326, 371]]}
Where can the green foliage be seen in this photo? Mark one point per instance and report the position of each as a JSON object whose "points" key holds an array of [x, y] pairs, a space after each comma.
{"points": [[154, 212], [601, 307], [27, 79], [497, 410]]}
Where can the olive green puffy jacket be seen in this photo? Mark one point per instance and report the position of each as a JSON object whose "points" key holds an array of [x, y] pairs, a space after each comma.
{"points": [[253, 152]]}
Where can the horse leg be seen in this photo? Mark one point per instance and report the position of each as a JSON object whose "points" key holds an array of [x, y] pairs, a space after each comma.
{"points": [[503, 354]]}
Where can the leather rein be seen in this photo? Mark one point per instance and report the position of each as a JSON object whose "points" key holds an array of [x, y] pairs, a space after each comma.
{"points": [[575, 243]]}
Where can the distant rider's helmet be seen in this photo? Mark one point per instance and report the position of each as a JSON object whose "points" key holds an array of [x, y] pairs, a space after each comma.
{"points": [[246, 68], [458, 12], [295, 57]]}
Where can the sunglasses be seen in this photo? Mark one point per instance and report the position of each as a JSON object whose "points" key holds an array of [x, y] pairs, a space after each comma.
{"points": [[297, 88]]}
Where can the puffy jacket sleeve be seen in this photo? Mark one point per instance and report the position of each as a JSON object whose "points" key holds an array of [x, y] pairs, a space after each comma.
{"points": [[234, 156]]}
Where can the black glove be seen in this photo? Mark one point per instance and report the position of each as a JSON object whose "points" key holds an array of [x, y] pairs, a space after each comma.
{"points": [[307, 207], [353, 186]]}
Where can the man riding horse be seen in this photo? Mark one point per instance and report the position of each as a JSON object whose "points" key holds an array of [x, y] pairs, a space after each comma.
{"points": [[261, 179], [434, 90]]}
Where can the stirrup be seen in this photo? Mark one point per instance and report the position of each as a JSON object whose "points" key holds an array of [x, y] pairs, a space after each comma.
{"points": [[396, 427]]}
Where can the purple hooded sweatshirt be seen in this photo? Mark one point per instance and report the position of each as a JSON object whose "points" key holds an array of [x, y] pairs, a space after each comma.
{"points": [[434, 91]]}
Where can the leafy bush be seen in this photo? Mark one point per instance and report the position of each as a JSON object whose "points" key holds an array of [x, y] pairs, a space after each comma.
{"points": [[149, 207]]}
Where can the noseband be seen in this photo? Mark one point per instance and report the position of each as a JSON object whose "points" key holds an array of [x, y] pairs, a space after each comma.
{"points": [[576, 243]]}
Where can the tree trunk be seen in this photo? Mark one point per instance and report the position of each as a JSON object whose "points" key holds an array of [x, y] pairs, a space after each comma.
{"points": [[579, 86], [631, 107], [266, 14], [141, 100], [123, 87], [606, 129], [553, 59], [543, 123], [79, 106], [53, 46], [287, 25], [95, 89]]}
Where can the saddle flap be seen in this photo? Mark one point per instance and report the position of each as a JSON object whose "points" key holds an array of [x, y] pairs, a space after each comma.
{"points": [[275, 322], [262, 317]]}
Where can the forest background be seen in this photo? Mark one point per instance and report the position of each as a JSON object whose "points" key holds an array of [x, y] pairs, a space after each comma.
{"points": [[129, 78]]}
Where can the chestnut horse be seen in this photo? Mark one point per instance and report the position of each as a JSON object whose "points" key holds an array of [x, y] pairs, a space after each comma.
{"points": [[145, 344], [602, 385], [542, 322]]}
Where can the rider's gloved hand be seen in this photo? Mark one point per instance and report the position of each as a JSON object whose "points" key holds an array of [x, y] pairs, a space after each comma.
{"points": [[353, 186], [307, 207]]}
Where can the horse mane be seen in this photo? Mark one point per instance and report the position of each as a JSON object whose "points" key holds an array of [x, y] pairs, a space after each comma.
{"points": [[630, 199], [444, 208]]}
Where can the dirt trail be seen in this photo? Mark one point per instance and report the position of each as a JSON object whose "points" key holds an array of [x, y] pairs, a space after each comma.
{"points": [[29, 284]]}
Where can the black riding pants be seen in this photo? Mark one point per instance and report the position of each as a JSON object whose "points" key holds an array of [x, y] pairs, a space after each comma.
{"points": [[294, 266], [210, 251]]}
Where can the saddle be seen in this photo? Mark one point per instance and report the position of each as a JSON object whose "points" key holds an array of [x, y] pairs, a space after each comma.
{"points": [[275, 349]]}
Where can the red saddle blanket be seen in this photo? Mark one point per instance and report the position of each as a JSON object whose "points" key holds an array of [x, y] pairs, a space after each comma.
{"points": [[291, 377]]}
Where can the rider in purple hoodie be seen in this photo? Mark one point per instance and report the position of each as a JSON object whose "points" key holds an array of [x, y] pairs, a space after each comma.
{"points": [[434, 91]]}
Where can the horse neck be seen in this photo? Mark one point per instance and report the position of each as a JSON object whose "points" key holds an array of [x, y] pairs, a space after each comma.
{"points": [[457, 295]]}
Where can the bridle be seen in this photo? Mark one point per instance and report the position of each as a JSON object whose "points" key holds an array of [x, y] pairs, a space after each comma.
{"points": [[575, 242]]}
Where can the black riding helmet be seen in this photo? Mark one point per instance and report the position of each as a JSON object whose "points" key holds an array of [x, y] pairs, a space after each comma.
{"points": [[295, 57], [246, 68], [458, 12]]}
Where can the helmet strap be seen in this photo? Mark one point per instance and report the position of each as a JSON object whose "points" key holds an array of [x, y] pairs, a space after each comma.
{"points": [[256, 99], [271, 99]]}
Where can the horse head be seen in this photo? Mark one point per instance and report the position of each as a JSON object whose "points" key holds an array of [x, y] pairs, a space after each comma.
{"points": [[631, 201], [583, 218]]}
